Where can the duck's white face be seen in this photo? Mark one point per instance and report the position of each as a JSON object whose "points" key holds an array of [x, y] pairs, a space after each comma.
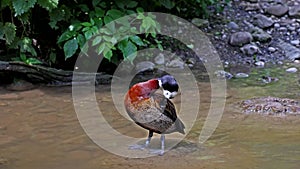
{"points": [[168, 94], [169, 88]]}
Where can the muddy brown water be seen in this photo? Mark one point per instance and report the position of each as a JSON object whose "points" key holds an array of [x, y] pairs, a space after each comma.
{"points": [[39, 129]]}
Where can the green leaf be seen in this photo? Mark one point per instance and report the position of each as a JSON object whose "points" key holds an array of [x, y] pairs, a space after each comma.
{"points": [[127, 48], [99, 12], [107, 38], [23, 57], [9, 32], [108, 54], [114, 13], [52, 57], [87, 24], [96, 41], [139, 10], [88, 34], [62, 13], [100, 48], [167, 3], [131, 4], [81, 40], [107, 19], [4, 3], [33, 61], [106, 31], [66, 36], [70, 48], [160, 47], [95, 2], [48, 4], [25, 45], [120, 3], [147, 23], [22, 6], [137, 40]]}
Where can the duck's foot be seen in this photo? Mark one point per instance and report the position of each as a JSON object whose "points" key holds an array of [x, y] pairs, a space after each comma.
{"points": [[157, 151], [137, 147]]}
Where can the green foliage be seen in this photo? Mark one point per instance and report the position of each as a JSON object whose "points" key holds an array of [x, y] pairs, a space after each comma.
{"points": [[7, 32], [81, 26], [111, 38]]}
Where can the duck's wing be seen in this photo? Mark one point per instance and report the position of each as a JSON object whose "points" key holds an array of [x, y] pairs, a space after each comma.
{"points": [[168, 109]]}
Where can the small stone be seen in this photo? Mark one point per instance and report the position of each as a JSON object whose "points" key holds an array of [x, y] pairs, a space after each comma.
{"points": [[282, 29], [233, 25], [295, 42], [160, 59], [260, 63], [176, 63], [241, 75], [262, 21], [291, 28], [249, 49], [260, 35], [240, 38], [277, 10], [294, 11], [291, 70], [291, 52], [271, 49], [223, 74], [276, 25], [144, 66], [200, 22]]}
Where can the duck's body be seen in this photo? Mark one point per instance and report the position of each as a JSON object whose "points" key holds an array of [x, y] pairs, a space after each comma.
{"points": [[151, 110]]}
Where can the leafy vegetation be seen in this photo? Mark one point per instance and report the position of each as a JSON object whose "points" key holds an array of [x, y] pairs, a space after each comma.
{"points": [[43, 31]]}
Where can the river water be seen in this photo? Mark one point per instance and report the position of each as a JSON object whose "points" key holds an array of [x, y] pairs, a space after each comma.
{"points": [[39, 129]]}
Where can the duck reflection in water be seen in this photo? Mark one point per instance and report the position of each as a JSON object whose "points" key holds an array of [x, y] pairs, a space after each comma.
{"points": [[154, 111]]}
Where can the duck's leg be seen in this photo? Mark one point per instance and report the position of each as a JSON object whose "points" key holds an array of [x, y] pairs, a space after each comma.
{"points": [[137, 146], [162, 150], [149, 138]]}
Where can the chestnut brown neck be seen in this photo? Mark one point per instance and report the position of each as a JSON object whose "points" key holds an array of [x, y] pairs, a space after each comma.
{"points": [[143, 90]]}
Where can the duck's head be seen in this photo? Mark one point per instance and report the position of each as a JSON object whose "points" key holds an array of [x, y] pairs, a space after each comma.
{"points": [[169, 86]]}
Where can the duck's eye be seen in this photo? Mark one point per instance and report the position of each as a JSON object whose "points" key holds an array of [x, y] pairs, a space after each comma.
{"points": [[167, 94]]}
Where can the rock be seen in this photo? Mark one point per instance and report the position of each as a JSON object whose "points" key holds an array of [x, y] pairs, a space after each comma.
{"points": [[260, 63], [200, 22], [240, 38], [277, 10], [294, 11], [260, 35], [249, 49], [176, 63], [276, 25], [268, 79], [241, 75], [291, 52], [160, 59], [295, 42], [233, 25], [20, 85], [190, 62], [291, 70], [250, 6], [262, 21], [144, 66], [271, 106], [271, 49], [223, 74]]}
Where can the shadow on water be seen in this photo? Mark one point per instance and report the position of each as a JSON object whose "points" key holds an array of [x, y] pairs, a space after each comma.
{"points": [[39, 129]]}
